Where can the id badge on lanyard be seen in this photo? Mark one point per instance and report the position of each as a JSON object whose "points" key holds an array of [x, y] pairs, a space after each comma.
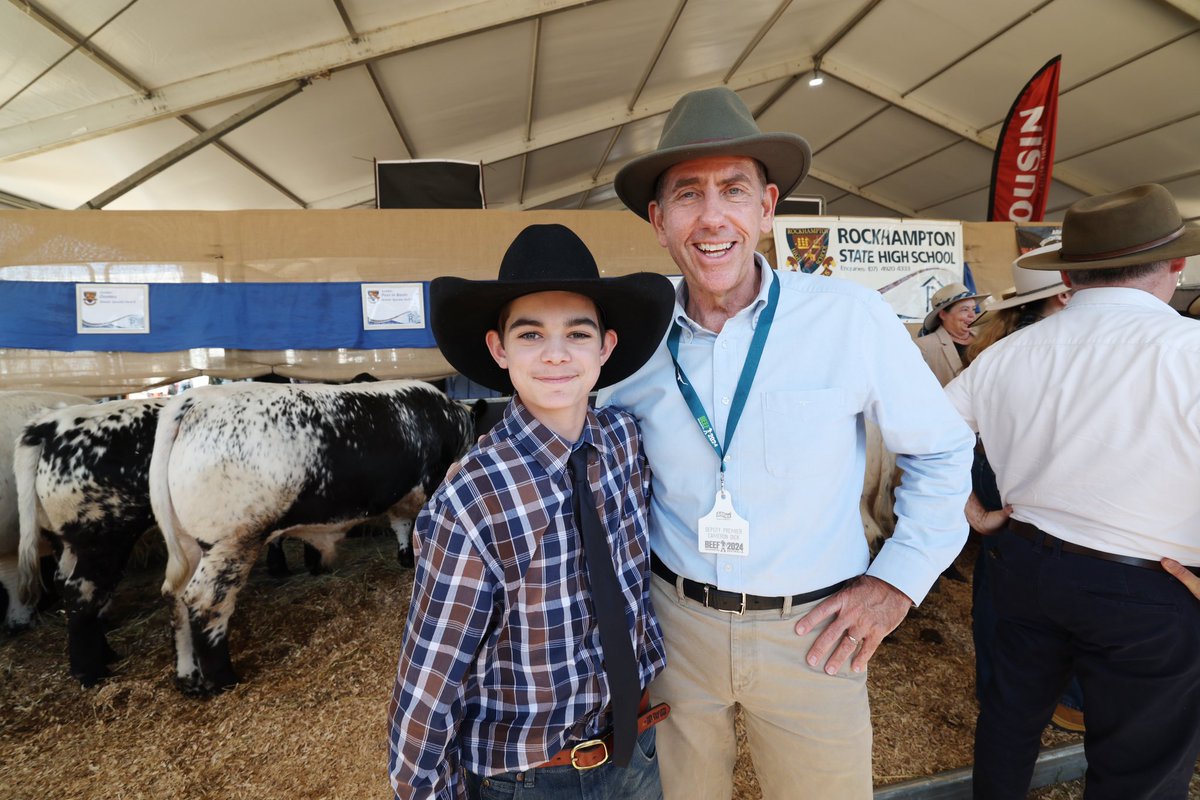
{"points": [[722, 531]]}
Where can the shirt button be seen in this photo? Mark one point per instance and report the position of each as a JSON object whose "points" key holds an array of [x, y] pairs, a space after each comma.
{"points": [[725, 400], [729, 568], [726, 459]]}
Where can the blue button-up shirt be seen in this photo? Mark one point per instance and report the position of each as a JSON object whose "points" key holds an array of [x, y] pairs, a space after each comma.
{"points": [[836, 355]]}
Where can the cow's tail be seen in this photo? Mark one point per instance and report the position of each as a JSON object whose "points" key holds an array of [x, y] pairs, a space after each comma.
{"points": [[26, 456], [178, 568]]}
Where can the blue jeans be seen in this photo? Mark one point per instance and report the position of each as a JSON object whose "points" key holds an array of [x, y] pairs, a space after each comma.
{"points": [[638, 781]]}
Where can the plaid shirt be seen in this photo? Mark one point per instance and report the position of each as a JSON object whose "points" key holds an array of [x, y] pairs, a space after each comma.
{"points": [[501, 661]]}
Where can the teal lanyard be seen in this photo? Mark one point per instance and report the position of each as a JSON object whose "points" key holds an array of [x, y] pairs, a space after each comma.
{"points": [[749, 368]]}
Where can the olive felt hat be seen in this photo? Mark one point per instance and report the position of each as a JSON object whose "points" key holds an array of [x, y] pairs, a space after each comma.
{"points": [[548, 258], [1140, 225], [712, 122]]}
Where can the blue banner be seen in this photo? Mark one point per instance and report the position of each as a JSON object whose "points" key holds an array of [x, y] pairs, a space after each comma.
{"points": [[244, 316]]}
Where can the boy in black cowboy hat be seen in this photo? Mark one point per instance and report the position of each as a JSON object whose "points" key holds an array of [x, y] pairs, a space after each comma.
{"points": [[530, 634]]}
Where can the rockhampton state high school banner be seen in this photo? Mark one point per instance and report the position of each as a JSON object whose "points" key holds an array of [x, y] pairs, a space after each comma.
{"points": [[905, 260], [1024, 156]]}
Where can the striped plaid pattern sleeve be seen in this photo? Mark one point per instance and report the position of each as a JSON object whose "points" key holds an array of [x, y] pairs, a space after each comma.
{"points": [[449, 613], [502, 663]]}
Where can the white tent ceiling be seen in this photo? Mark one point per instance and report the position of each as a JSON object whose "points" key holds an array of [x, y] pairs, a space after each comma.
{"points": [[233, 104]]}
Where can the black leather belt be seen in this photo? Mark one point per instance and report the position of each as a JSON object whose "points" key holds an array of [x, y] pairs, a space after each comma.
{"points": [[734, 602], [1039, 537]]}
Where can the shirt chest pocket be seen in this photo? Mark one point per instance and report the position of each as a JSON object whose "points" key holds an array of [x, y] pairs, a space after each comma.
{"points": [[808, 433]]}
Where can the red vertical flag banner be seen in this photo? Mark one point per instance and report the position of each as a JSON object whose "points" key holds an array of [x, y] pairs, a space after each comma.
{"points": [[1025, 151]]}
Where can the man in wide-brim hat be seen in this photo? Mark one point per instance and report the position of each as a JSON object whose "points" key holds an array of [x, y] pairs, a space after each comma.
{"points": [[753, 414], [1100, 466]]}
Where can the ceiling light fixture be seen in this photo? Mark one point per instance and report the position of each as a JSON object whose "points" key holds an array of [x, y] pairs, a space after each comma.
{"points": [[817, 78]]}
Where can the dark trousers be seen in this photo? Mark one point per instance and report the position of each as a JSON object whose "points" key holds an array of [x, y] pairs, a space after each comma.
{"points": [[1131, 635], [983, 625]]}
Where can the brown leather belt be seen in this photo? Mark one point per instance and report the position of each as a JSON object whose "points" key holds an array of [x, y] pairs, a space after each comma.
{"points": [[1038, 536], [594, 752], [734, 602]]}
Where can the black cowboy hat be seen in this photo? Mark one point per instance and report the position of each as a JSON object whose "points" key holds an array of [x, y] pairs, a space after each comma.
{"points": [[548, 258], [1139, 225], [712, 122]]}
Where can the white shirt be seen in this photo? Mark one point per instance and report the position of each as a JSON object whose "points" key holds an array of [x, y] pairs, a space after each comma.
{"points": [[1091, 420]]}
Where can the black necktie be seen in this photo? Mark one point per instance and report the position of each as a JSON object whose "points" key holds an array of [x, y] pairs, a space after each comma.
{"points": [[619, 662]]}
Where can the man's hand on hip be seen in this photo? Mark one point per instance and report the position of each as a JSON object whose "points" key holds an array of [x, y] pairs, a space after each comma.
{"points": [[1184, 575], [862, 614]]}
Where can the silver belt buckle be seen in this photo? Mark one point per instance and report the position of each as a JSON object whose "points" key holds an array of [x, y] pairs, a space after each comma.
{"points": [[740, 612]]}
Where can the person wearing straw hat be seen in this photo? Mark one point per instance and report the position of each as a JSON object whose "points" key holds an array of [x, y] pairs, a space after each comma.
{"points": [[753, 414], [946, 331], [1099, 465], [1034, 295], [531, 635]]}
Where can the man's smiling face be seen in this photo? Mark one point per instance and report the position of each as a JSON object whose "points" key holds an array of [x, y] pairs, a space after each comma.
{"points": [[710, 214]]}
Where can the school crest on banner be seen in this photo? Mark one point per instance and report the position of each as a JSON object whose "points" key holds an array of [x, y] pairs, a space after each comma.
{"points": [[808, 250]]}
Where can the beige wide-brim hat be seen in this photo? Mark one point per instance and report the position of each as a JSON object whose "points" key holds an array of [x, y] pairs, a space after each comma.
{"points": [[712, 122], [1135, 226], [945, 297], [1029, 285]]}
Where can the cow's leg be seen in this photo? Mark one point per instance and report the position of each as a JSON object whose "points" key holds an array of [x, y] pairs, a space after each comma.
{"points": [[315, 561], [277, 566], [401, 517], [202, 616], [91, 568], [51, 590], [403, 529], [16, 615]]}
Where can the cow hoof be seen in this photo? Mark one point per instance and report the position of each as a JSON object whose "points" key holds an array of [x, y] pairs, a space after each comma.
{"points": [[89, 679], [196, 685], [405, 557]]}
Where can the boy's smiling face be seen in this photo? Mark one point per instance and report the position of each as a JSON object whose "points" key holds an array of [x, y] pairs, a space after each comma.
{"points": [[553, 348]]}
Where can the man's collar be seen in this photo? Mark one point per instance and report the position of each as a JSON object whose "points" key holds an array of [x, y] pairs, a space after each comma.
{"points": [[547, 447], [756, 306], [1121, 295]]}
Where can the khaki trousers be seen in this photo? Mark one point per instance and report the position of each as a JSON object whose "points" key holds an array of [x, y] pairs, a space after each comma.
{"points": [[809, 733]]}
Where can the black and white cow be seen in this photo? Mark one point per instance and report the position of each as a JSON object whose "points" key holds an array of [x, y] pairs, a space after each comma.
{"points": [[239, 465], [16, 409], [82, 481]]}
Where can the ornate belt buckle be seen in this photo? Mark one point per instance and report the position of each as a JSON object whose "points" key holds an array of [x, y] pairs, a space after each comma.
{"points": [[590, 743]]}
